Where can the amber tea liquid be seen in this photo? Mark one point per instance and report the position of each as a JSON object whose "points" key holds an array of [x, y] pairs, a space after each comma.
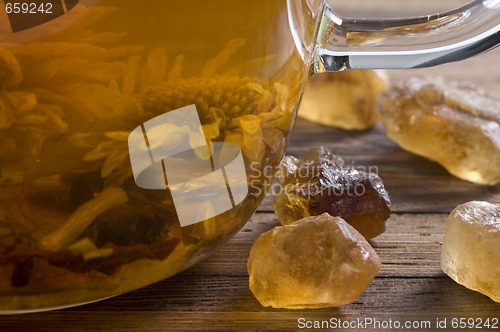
{"points": [[74, 225]]}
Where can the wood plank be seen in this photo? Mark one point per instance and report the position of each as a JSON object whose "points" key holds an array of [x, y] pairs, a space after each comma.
{"points": [[207, 321], [410, 247], [415, 184], [226, 304], [230, 293], [214, 294]]}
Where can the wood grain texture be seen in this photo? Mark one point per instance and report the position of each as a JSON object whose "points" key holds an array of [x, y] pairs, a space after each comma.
{"points": [[214, 294], [415, 184]]}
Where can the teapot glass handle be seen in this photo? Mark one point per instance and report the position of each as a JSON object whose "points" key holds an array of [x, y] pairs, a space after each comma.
{"points": [[344, 43]]}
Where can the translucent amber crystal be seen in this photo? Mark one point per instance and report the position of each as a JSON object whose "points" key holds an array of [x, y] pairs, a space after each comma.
{"points": [[319, 261], [320, 182], [456, 125], [343, 99], [471, 247]]}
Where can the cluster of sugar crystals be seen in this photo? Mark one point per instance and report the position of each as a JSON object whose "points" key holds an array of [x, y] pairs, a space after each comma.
{"points": [[321, 261]]}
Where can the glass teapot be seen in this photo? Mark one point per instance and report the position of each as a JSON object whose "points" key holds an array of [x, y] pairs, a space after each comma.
{"points": [[137, 136]]}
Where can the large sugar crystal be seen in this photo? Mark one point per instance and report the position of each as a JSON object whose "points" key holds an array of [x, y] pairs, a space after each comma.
{"points": [[471, 247], [319, 261], [319, 182], [456, 125], [344, 99]]}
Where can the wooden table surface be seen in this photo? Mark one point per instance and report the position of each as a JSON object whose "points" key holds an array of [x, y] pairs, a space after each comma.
{"points": [[410, 287]]}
